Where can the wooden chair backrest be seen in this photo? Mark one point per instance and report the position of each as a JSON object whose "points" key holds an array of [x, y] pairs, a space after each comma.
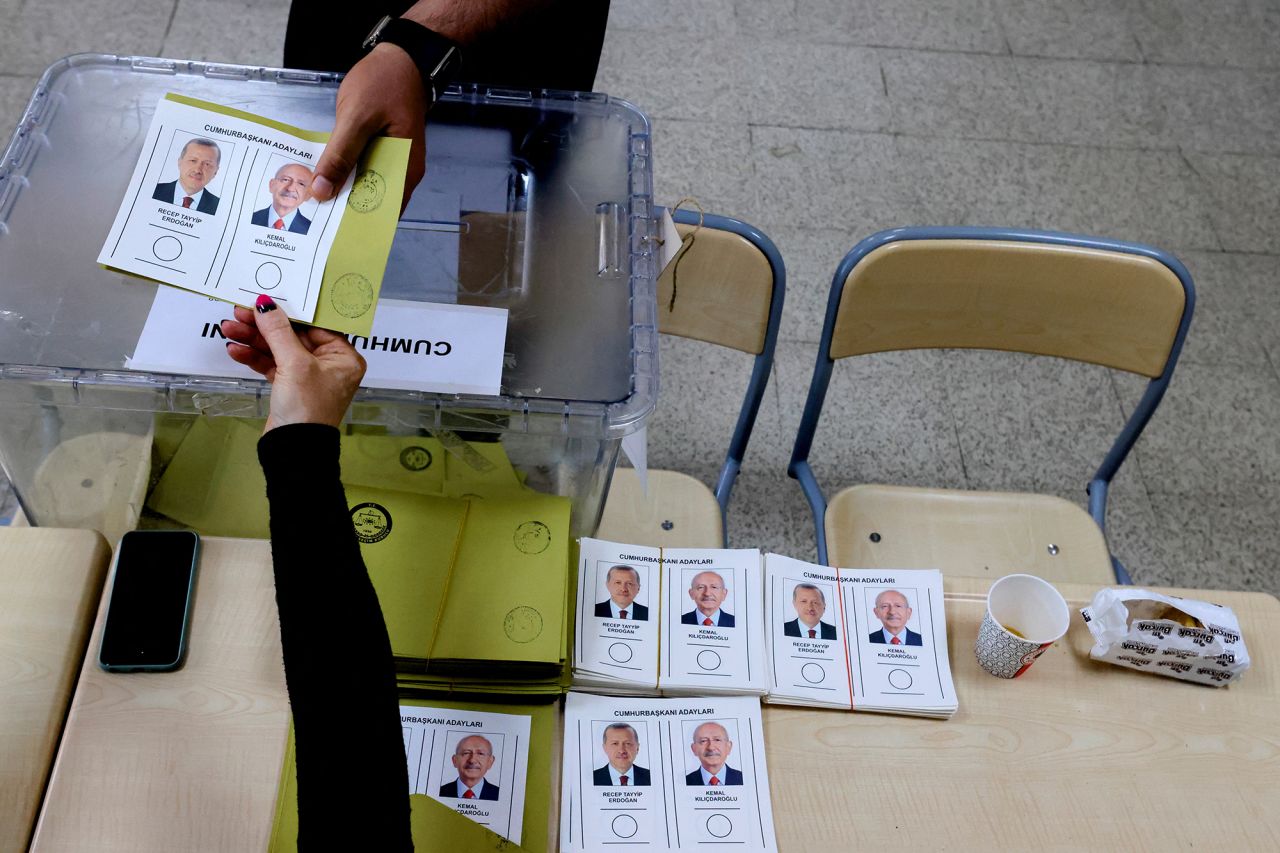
{"points": [[723, 286], [1103, 307]]}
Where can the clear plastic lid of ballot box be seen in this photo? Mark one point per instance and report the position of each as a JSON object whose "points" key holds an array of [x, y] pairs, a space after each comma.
{"points": [[540, 203]]}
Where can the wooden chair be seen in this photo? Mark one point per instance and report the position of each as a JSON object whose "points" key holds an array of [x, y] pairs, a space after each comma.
{"points": [[730, 287], [1121, 305]]}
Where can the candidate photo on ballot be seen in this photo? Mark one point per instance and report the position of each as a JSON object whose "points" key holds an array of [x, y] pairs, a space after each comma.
{"points": [[810, 603], [622, 585], [621, 746], [198, 163], [893, 609], [290, 188], [472, 758], [708, 592], [711, 746]]}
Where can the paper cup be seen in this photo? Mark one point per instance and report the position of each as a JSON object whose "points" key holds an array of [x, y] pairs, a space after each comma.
{"points": [[1025, 616]]}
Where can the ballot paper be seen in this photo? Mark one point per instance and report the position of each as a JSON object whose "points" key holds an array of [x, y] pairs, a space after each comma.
{"points": [[665, 774], [413, 346], [676, 621], [220, 203], [865, 640], [524, 739], [472, 761]]}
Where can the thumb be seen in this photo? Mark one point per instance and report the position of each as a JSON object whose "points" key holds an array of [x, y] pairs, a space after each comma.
{"points": [[273, 325], [339, 158]]}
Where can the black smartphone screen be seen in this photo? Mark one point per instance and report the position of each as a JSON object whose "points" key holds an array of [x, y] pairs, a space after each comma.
{"points": [[147, 613]]}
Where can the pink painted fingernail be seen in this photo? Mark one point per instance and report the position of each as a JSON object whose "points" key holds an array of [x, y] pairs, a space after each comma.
{"points": [[265, 303]]}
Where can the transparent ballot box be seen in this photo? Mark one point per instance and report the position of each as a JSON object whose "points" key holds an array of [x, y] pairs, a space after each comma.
{"points": [[540, 203]]}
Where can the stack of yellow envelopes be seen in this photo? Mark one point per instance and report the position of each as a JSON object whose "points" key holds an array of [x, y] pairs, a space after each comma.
{"points": [[470, 566]]}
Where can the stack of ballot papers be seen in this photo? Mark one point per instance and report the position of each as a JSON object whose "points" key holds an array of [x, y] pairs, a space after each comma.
{"points": [[664, 774], [865, 640], [670, 621], [689, 621], [471, 567], [452, 748]]}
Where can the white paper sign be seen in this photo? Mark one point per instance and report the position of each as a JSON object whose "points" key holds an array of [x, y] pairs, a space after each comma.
{"points": [[414, 346], [221, 205], [473, 762]]}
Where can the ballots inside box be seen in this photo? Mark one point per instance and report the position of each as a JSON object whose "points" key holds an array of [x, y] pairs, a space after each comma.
{"points": [[1179, 637]]}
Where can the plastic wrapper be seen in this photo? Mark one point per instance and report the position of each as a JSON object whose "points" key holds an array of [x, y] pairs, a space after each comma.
{"points": [[1179, 637]]}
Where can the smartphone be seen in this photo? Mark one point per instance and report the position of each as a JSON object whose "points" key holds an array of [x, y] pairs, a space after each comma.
{"points": [[150, 606]]}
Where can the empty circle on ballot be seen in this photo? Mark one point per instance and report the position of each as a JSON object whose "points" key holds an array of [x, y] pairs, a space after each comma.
{"points": [[268, 275], [620, 652], [167, 248], [900, 678], [624, 826], [813, 673], [708, 660], [719, 825]]}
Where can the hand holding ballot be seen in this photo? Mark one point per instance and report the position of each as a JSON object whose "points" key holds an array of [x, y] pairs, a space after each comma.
{"points": [[225, 203], [314, 373]]}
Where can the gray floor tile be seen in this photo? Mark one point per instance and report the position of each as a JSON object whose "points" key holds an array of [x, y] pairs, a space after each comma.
{"points": [[1220, 109], [708, 17], [1226, 541], [1030, 424], [699, 399], [43, 32], [199, 31], [677, 75], [1153, 554], [1095, 103], [885, 420], [955, 25], [15, 94], [842, 87], [961, 182], [1243, 198], [768, 511], [1215, 432], [831, 179], [956, 95], [811, 257], [1075, 29], [704, 160], [1148, 196], [1237, 307], [1229, 32]]}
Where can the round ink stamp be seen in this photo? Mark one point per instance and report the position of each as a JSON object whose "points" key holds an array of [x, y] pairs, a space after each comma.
{"points": [[523, 624], [367, 192], [351, 295], [415, 458], [532, 537], [372, 523]]}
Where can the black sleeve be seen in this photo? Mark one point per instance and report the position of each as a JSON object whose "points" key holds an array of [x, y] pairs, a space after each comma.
{"points": [[353, 786]]}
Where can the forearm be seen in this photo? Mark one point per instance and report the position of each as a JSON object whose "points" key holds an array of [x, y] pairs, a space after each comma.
{"points": [[467, 21], [339, 670]]}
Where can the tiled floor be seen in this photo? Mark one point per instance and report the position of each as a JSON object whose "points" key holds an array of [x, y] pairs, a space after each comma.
{"points": [[822, 121]]}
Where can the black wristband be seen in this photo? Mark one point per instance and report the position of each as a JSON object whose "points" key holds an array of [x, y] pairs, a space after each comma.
{"points": [[438, 59]]}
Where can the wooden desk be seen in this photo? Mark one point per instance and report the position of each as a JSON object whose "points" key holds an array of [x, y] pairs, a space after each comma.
{"points": [[50, 581], [1073, 753], [186, 760]]}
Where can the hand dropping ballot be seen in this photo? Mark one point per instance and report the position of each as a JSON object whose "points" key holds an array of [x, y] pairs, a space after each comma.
{"points": [[220, 203]]}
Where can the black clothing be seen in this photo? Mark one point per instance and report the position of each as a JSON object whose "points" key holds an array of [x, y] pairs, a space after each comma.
{"points": [[555, 45], [353, 781], [165, 192]]}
